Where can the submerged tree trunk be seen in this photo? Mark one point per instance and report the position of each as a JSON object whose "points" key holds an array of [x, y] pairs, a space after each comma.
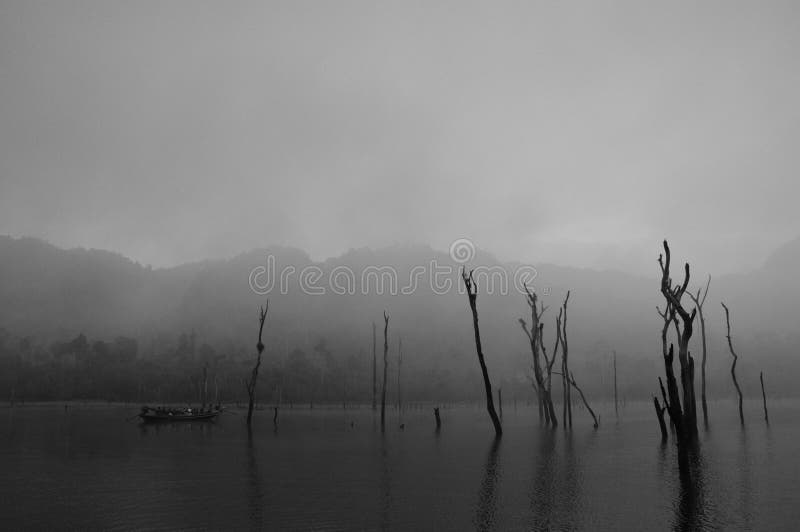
{"points": [[251, 384], [764, 397], [565, 355], [472, 294], [500, 401], [684, 419], [616, 402], [548, 383], [583, 398], [733, 366], [541, 384], [385, 367], [665, 406], [698, 303], [537, 382], [660, 414]]}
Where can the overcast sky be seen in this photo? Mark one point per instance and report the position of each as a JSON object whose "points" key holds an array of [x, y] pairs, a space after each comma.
{"points": [[572, 132]]}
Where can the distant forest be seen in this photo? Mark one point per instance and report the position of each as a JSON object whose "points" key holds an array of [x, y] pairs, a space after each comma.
{"points": [[117, 370], [92, 325]]}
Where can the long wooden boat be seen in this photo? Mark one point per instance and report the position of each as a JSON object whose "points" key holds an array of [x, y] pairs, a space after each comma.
{"points": [[150, 414]]}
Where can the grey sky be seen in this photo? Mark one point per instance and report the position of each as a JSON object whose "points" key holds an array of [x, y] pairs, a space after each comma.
{"points": [[577, 133]]}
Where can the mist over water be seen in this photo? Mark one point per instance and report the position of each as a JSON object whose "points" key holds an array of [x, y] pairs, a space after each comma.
{"points": [[332, 469], [388, 189]]}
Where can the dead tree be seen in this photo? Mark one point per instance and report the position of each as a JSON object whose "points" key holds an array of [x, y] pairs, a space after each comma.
{"points": [[472, 295], [684, 419], [665, 406], [385, 367], [537, 309], [500, 401], [561, 331], [567, 375], [374, 369], [438, 419], [660, 415], [583, 398], [672, 405], [733, 366], [616, 402], [251, 384], [549, 362], [698, 303], [764, 397]]}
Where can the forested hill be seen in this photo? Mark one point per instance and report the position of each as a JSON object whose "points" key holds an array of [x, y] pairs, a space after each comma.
{"points": [[51, 294]]}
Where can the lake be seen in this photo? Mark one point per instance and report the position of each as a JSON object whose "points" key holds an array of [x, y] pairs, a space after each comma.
{"points": [[86, 468]]}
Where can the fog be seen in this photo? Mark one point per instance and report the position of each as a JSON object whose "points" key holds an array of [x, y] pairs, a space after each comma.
{"points": [[358, 265], [579, 134]]}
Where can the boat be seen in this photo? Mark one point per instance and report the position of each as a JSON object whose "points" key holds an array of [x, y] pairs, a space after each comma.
{"points": [[150, 414]]}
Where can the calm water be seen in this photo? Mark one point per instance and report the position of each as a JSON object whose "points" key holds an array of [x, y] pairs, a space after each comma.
{"points": [[327, 469]]}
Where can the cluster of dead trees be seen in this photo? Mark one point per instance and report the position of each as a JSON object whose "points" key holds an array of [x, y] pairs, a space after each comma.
{"points": [[542, 380], [680, 405], [678, 402], [250, 383], [543, 365]]}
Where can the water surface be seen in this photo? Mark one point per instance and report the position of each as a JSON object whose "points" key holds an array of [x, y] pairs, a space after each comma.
{"points": [[331, 469]]}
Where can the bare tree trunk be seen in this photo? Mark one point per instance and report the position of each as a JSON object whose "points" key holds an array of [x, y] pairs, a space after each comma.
{"points": [[764, 397], [583, 398], [385, 367], [500, 401], [666, 402], [733, 366], [699, 302], [549, 367], [251, 384], [472, 294], [539, 402], [374, 369], [564, 391], [616, 403], [565, 351], [438, 419], [660, 415], [540, 383], [685, 419]]}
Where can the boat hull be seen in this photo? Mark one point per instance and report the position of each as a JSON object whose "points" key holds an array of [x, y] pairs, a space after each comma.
{"points": [[177, 418]]}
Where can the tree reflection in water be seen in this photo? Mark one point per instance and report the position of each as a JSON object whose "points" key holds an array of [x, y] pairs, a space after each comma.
{"points": [[543, 496], [745, 485], [255, 497], [690, 508], [486, 517], [386, 485], [570, 498]]}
